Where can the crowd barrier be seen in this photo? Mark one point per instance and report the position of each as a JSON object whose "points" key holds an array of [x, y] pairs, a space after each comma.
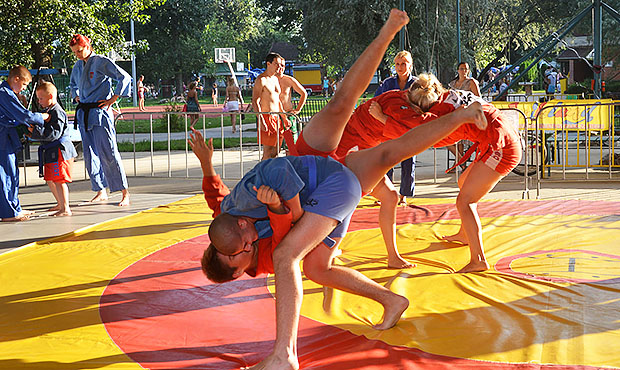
{"points": [[559, 136]]}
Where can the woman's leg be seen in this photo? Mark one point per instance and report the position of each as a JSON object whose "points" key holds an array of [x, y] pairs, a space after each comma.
{"points": [[325, 129], [388, 195], [480, 180]]}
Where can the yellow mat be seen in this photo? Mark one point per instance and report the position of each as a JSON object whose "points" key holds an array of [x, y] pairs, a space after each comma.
{"points": [[551, 297]]}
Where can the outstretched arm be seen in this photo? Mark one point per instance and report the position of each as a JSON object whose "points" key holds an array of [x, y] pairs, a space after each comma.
{"points": [[203, 151]]}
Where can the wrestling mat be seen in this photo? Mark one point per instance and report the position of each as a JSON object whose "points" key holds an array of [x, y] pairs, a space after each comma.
{"points": [[129, 294]]}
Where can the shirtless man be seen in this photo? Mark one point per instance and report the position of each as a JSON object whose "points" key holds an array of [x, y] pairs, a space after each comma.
{"points": [[287, 85], [266, 98]]}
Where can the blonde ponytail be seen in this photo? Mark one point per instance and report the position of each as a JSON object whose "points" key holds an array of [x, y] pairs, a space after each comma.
{"points": [[426, 91]]}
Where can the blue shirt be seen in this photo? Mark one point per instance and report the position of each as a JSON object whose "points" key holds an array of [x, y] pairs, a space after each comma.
{"points": [[12, 114], [391, 83], [56, 129], [288, 176]]}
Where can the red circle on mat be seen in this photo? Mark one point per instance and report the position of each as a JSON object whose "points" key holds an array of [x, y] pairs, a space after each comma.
{"points": [[164, 314]]}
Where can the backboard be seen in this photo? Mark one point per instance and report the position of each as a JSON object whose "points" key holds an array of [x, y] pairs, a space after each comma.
{"points": [[223, 55]]}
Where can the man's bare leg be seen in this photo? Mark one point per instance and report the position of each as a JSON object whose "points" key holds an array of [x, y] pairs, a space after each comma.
{"points": [[101, 196], [325, 129], [307, 233], [370, 165], [318, 268], [125, 199]]}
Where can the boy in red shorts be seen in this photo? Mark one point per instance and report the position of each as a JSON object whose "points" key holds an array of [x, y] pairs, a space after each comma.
{"points": [[56, 152]]}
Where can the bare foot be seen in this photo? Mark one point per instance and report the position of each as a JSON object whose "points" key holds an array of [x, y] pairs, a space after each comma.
{"points": [[475, 266], [273, 362], [399, 263], [459, 237], [55, 208], [63, 213], [101, 196], [402, 200], [18, 218], [392, 312], [25, 212], [125, 200]]}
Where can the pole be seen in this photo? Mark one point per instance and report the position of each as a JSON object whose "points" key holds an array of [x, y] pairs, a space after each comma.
{"points": [[401, 35], [133, 60], [458, 30], [597, 34]]}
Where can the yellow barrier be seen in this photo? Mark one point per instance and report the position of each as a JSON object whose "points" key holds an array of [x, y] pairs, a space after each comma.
{"points": [[589, 115]]}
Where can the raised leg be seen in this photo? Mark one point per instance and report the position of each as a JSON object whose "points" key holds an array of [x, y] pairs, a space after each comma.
{"points": [[325, 129]]}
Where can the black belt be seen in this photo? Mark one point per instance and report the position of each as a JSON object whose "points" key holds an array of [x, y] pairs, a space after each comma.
{"points": [[85, 107]]}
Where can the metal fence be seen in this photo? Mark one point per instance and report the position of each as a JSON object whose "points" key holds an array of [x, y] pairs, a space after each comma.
{"points": [[577, 141], [558, 146]]}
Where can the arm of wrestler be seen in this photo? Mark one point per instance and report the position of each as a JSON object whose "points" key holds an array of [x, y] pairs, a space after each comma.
{"points": [[74, 81], [212, 186], [256, 96], [49, 132]]}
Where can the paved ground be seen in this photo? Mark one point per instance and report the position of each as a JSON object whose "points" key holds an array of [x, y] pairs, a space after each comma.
{"points": [[167, 177]]}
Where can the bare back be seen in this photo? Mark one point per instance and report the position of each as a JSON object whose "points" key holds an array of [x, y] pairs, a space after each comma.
{"points": [[232, 92]]}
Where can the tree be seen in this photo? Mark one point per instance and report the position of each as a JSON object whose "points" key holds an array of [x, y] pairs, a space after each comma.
{"points": [[32, 31]]}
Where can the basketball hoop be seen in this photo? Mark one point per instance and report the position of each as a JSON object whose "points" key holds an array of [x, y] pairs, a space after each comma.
{"points": [[223, 55]]}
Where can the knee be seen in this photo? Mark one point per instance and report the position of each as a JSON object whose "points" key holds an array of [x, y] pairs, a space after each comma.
{"points": [[463, 201], [390, 198], [315, 271], [338, 106]]}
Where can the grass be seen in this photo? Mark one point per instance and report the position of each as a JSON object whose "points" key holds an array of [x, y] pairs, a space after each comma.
{"points": [[161, 124], [145, 146]]}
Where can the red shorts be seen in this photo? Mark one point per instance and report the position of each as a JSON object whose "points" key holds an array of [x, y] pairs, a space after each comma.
{"points": [[504, 159], [274, 134], [304, 149], [60, 171]]}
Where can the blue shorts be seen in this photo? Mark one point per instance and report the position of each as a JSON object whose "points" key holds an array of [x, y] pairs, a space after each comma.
{"points": [[336, 197]]}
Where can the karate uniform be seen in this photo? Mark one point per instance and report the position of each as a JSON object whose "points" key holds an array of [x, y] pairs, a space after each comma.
{"points": [[92, 82], [12, 114]]}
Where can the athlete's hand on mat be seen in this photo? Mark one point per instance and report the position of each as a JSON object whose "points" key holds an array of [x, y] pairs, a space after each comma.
{"points": [[376, 111]]}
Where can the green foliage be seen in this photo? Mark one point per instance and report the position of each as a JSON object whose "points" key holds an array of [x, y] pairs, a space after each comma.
{"points": [[35, 30], [177, 122], [145, 146]]}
